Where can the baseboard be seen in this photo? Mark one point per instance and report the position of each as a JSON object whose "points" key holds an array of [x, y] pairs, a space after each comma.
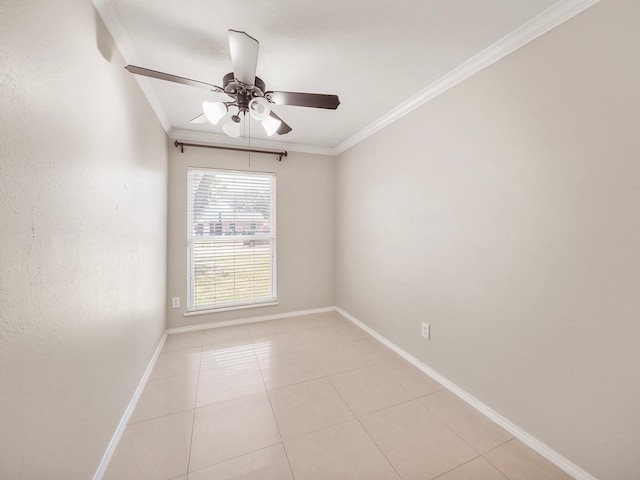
{"points": [[533, 443], [102, 468], [241, 321]]}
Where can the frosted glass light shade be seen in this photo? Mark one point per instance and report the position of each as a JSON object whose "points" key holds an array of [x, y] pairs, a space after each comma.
{"points": [[214, 111], [259, 108], [231, 128], [271, 125]]}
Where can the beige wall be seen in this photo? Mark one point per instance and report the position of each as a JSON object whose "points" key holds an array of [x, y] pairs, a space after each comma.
{"points": [[506, 214], [82, 239], [305, 229]]}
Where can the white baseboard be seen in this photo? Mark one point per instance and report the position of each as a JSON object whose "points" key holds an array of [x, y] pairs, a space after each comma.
{"points": [[102, 468], [533, 443], [241, 321]]}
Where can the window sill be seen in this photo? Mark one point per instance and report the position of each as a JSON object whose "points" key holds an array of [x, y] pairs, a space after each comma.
{"points": [[228, 309]]}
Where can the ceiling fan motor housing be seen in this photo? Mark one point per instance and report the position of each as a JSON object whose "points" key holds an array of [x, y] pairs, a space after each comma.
{"points": [[234, 88]]}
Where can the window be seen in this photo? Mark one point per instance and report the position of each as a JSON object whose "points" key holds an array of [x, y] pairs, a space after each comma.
{"points": [[234, 263]]}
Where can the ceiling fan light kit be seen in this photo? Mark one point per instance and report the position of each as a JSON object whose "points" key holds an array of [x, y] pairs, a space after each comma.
{"points": [[232, 127], [259, 108], [214, 111], [248, 92], [271, 125]]}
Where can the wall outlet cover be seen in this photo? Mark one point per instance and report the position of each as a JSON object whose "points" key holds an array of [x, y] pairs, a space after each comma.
{"points": [[426, 330]]}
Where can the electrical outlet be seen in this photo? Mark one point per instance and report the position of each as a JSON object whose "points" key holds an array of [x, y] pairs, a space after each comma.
{"points": [[426, 331], [175, 302]]}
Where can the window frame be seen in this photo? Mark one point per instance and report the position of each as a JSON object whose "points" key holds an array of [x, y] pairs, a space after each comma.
{"points": [[193, 309]]}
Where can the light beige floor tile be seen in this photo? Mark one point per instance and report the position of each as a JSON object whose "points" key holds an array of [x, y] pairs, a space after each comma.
{"points": [[410, 378], [338, 358], [164, 396], [315, 320], [476, 469], [222, 335], [268, 464], [351, 332], [277, 345], [156, 449], [519, 462], [416, 443], [230, 355], [342, 452], [307, 407], [228, 371], [334, 318], [320, 336], [177, 363], [283, 370], [271, 327], [182, 341], [374, 350], [476, 429], [368, 389], [229, 429], [218, 384]]}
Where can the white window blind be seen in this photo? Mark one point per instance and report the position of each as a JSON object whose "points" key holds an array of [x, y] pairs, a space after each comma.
{"points": [[231, 238]]}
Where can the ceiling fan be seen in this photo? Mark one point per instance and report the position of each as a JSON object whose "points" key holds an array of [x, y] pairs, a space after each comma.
{"points": [[248, 92]]}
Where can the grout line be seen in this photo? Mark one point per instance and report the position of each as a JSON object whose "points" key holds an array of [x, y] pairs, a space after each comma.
{"points": [[440, 475], [445, 424], [273, 412], [341, 422], [492, 464], [193, 422], [367, 432], [230, 459]]}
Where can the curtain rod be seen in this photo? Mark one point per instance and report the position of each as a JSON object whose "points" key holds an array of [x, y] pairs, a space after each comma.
{"points": [[181, 146]]}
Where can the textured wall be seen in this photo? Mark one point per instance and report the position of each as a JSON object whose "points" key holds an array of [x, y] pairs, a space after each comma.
{"points": [[506, 214], [305, 229], [82, 239]]}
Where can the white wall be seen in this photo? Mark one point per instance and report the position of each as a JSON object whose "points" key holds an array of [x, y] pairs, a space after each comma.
{"points": [[82, 239], [506, 213], [305, 229]]}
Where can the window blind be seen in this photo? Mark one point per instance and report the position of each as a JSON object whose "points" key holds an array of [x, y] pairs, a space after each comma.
{"points": [[230, 238]]}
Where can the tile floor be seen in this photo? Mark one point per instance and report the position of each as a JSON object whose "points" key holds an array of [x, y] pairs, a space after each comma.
{"points": [[311, 397]]}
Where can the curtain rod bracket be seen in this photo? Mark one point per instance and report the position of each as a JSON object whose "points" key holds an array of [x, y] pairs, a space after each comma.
{"points": [[181, 146]]}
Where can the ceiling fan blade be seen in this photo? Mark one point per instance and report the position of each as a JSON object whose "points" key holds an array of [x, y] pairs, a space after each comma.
{"points": [[244, 56], [283, 128], [199, 119], [314, 100], [172, 78]]}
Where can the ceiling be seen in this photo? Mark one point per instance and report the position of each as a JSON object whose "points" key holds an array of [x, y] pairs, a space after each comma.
{"points": [[376, 55]]}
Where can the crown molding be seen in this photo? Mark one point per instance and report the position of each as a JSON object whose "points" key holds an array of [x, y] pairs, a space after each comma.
{"points": [[125, 46], [539, 25], [210, 138], [542, 23]]}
